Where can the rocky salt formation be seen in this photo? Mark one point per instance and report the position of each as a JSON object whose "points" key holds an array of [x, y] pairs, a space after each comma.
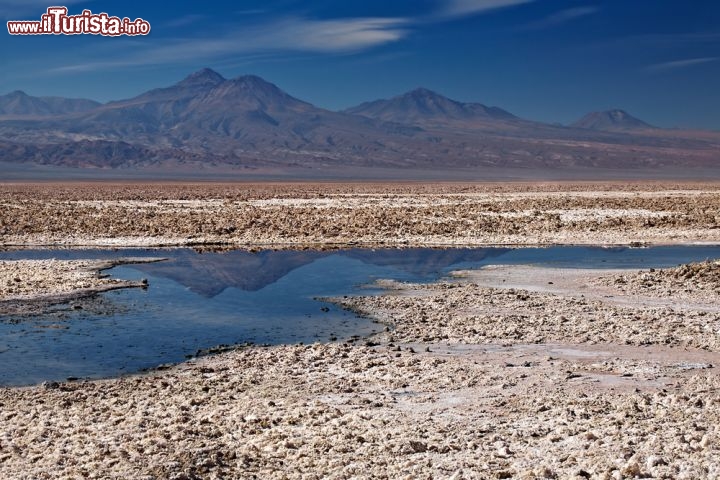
{"points": [[330, 215], [26, 278], [343, 411], [694, 280], [28, 283], [459, 312]]}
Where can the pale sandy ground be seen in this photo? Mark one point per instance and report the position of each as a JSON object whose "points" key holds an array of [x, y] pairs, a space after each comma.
{"points": [[331, 215], [518, 382]]}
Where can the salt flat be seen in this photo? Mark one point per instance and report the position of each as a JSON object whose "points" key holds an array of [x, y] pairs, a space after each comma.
{"points": [[495, 373]]}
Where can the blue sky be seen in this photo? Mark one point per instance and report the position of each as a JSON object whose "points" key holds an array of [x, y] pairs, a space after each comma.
{"points": [[548, 60]]}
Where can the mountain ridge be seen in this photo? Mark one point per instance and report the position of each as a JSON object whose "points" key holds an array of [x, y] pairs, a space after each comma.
{"points": [[423, 102], [206, 119], [20, 103], [422, 105]]}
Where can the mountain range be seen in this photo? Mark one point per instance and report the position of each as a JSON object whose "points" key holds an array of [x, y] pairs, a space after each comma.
{"points": [[208, 121]]}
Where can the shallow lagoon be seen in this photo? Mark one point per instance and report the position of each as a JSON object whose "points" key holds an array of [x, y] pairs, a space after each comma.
{"points": [[197, 300]]}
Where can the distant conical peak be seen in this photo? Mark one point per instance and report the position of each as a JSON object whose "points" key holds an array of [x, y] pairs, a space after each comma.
{"points": [[422, 104], [423, 91], [426, 94], [611, 119], [249, 78], [206, 73], [253, 80], [204, 76], [257, 86], [615, 113]]}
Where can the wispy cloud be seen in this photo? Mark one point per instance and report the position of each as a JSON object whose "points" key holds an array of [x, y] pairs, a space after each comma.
{"points": [[678, 64], [288, 35], [459, 8], [266, 37], [336, 35], [561, 17]]}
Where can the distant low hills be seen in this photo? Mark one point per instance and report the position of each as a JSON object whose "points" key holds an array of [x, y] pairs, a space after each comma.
{"points": [[208, 121], [20, 103]]}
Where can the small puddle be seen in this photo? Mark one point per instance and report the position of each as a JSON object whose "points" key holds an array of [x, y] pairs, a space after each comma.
{"points": [[198, 300]]}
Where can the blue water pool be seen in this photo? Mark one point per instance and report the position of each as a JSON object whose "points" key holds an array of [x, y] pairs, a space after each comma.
{"points": [[197, 300]]}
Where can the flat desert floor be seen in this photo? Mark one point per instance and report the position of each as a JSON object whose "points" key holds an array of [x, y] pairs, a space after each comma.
{"points": [[503, 372]]}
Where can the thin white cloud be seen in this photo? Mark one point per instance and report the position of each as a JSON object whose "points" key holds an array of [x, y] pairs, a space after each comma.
{"points": [[288, 35], [678, 64], [276, 37], [459, 8], [561, 17], [335, 35]]}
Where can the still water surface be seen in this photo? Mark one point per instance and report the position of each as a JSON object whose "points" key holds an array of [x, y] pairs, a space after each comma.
{"points": [[199, 300]]}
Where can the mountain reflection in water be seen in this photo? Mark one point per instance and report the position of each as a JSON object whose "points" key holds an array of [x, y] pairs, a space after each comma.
{"points": [[209, 274], [200, 299]]}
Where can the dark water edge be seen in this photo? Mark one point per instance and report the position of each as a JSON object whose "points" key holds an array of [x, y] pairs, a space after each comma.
{"points": [[197, 300], [201, 172]]}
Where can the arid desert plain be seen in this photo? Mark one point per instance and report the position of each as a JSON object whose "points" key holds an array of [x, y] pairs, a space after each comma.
{"points": [[508, 371]]}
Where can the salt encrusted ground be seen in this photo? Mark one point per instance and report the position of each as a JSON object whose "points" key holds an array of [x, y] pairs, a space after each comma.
{"points": [[26, 285], [506, 372], [327, 215], [471, 382]]}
